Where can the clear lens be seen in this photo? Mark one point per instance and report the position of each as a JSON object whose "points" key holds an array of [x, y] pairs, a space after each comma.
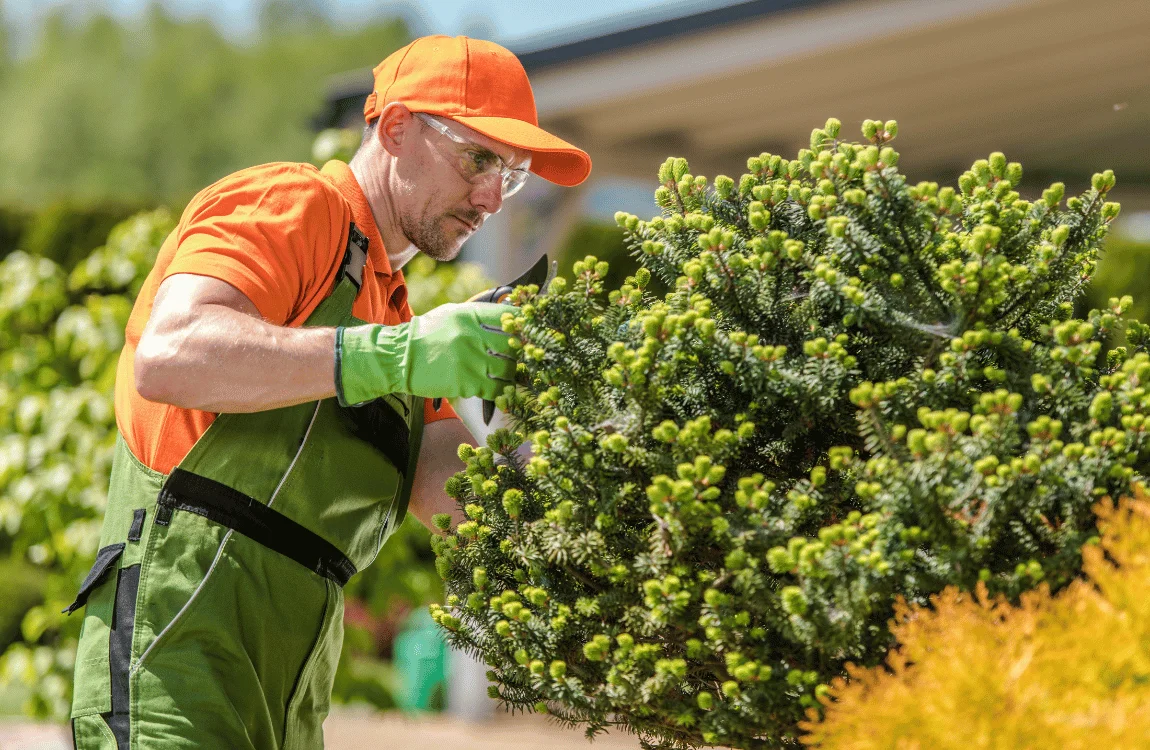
{"points": [[480, 163], [512, 181]]}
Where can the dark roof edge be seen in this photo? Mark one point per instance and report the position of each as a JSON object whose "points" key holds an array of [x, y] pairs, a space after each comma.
{"points": [[356, 84], [546, 56]]}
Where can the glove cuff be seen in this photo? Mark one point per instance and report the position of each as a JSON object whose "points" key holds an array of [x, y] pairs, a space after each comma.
{"points": [[370, 361], [339, 395]]}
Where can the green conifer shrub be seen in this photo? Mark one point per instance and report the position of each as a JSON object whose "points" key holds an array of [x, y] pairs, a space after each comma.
{"points": [[859, 389]]}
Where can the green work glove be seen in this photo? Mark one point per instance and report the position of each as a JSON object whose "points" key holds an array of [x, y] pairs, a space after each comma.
{"points": [[452, 351]]}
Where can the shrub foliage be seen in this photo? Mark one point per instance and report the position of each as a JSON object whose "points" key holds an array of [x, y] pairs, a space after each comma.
{"points": [[859, 389]]}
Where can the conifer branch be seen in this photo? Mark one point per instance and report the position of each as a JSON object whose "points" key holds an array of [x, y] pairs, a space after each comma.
{"points": [[730, 487]]}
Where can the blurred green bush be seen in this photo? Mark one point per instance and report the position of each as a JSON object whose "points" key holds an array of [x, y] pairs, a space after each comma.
{"points": [[66, 233], [152, 109], [62, 232], [61, 332], [23, 586], [1123, 268], [605, 242], [12, 225]]}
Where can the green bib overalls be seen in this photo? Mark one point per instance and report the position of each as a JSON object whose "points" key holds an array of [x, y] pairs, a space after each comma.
{"points": [[214, 611]]}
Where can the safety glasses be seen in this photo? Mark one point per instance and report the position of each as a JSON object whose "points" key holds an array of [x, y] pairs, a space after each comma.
{"points": [[477, 162]]}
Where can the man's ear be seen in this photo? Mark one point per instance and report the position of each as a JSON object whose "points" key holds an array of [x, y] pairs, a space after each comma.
{"points": [[395, 128]]}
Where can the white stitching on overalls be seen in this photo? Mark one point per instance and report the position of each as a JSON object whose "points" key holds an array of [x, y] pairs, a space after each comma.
{"points": [[223, 542]]}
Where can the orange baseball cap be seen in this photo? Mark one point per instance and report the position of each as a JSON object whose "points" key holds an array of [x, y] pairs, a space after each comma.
{"points": [[481, 85]]}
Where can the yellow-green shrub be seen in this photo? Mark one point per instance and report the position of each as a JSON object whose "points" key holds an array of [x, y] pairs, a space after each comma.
{"points": [[1063, 672]]}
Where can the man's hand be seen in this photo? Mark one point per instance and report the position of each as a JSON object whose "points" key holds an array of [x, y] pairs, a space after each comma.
{"points": [[455, 350]]}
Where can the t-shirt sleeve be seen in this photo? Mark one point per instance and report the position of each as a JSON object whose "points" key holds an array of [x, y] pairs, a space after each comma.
{"points": [[270, 232], [432, 413]]}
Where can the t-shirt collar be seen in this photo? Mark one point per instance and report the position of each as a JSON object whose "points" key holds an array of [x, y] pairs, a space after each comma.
{"points": [[344, 180]]}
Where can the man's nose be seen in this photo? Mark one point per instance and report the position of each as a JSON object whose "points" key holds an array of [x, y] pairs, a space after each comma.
{"points": [[487, 195]]}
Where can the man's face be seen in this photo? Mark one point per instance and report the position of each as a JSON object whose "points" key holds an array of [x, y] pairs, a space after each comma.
{"points": [[438, 206]]}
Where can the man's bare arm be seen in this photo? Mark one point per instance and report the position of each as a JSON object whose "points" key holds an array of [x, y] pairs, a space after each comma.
{"points": [[206, 347], [438, 460]]}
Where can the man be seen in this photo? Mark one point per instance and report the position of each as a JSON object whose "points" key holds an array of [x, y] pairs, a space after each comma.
{"points": [[278, 405]]}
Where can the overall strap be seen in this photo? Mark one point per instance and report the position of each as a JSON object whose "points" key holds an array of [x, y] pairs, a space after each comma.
{"points": [[336, 308], [229, 507], [354, 257]]}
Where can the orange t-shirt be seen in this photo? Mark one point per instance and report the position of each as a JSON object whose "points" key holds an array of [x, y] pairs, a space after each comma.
{"points": [[277, 233]]}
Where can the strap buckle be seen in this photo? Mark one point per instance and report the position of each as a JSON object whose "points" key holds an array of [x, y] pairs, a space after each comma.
{"points": [[355, 256]]}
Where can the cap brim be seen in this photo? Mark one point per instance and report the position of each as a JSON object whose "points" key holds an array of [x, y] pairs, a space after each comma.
{"points": [[552, 158]]}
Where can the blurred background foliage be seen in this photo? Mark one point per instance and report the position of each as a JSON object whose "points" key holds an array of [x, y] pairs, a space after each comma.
{"points": [[61, 231], [178, 105], [1124, 268]]}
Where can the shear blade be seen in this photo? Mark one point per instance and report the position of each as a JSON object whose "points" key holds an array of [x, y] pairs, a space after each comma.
{"points": [[539, 274]]}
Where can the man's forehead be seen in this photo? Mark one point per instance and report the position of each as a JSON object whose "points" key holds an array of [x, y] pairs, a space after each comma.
{"points": [[513, 156]]}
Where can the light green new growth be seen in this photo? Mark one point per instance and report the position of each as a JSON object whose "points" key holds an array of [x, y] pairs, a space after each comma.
{"points": [[858, 389]]}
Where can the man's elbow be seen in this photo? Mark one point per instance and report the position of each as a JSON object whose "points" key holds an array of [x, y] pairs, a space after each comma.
{"points": [[153, 371]]}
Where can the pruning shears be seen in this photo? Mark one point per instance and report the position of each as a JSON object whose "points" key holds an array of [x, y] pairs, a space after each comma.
{"points": [[539, 274]]}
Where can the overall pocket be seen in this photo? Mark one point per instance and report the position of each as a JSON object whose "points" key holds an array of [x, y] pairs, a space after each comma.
{"points": [[93, 685], [104, 654]]}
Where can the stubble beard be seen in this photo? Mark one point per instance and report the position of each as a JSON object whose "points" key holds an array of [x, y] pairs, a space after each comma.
{"points": [[433, 237]]}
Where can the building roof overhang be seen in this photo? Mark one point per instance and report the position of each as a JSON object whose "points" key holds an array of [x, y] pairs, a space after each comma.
{"points": [[1061, 85]]}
